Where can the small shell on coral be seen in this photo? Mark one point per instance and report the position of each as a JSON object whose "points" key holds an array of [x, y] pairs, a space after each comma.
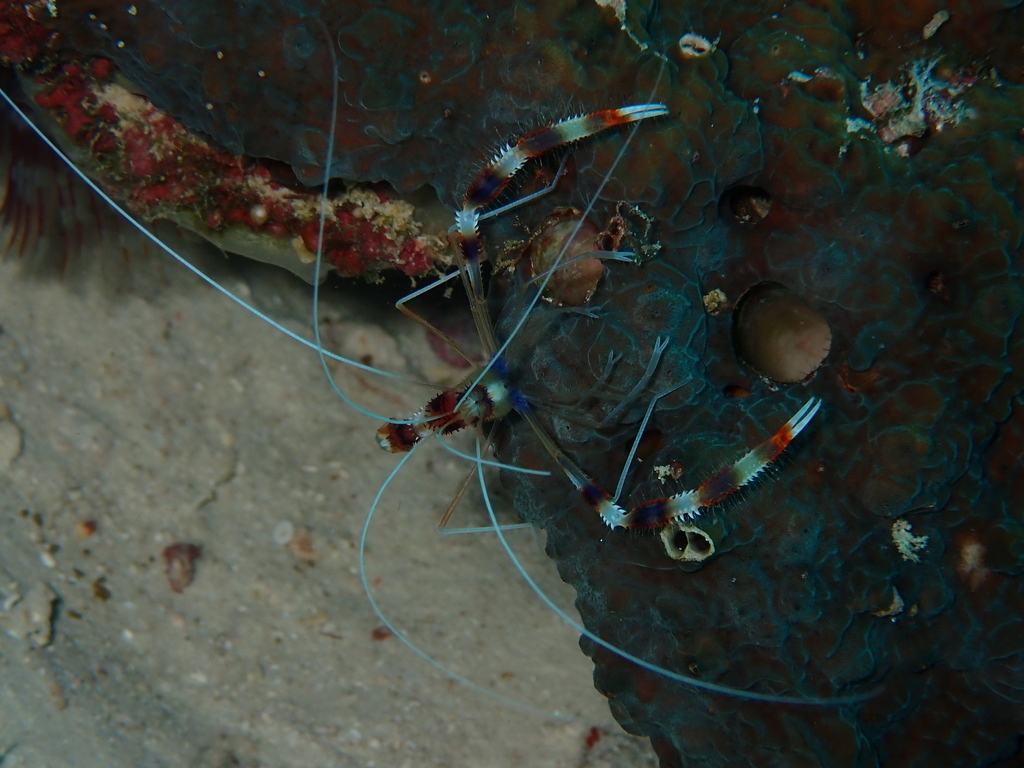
{"points": [[259, 214], [565, 235], [715, 301], [180, 558], [778, 334], [694, 46], [687, 543]]}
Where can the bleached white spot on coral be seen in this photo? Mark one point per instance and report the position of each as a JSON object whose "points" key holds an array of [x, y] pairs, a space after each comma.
{"points": [[305, 255], [694, 46], [283, 532], [854, 124], [259, 214], [923, 101], [670, 471], [972, 562], [617, 6], [940, 18], [907, 544], [895, 607]]}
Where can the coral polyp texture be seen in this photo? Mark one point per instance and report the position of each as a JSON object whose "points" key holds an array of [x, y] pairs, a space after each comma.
{"points": [[868, 158], [884, 558]]}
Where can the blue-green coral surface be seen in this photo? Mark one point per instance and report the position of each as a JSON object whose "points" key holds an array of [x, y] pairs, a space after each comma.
{"points": [[889, 140]]}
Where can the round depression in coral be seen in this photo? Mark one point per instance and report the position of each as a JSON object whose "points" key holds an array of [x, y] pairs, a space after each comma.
{"points": [[778, 334]]}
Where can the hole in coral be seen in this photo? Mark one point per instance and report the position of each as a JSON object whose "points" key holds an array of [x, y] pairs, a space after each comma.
{"points": [[778, 334], [698, 542], [680, 540], [735, 390], [650, 443], [744, 205], [937, 285]]}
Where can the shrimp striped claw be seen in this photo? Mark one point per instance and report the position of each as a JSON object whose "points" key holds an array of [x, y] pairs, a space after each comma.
{"points": [[497, 174], [485, 397], [658, 513]]}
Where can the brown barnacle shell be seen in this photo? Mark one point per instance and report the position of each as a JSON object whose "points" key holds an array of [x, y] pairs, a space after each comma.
{"points": [[778, 334], [565, 235], [180, 558]]}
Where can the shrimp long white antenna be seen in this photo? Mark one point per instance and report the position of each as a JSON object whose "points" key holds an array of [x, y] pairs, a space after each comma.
{"points": [[120, 210], [496, 464], [639, 436], [322, 223], [660, 345], [402, 636], [658, 513], [668, 673]]}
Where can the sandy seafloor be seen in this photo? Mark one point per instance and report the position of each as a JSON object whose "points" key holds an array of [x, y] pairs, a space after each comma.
{"points": [[141, 399]]}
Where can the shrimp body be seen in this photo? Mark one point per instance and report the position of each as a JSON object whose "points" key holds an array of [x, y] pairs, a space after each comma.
{"points": [[473, 403], [485, 396]]}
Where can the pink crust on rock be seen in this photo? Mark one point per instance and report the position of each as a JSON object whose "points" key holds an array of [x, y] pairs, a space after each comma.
{"points": [[354, 245], [162, 170], [22, 38]]}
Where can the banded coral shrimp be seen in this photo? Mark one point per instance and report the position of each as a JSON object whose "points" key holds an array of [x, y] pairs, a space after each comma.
{"points": [[209, 460], [487, 396], [305, 639], [403, 526]]}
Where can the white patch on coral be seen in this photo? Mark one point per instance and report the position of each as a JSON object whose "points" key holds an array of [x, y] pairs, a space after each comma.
{"points": [[907, 544], [940, 18], [671, 471], [895, 607], [972, 562], [923, 101], [854, 124], [617, 6]]}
